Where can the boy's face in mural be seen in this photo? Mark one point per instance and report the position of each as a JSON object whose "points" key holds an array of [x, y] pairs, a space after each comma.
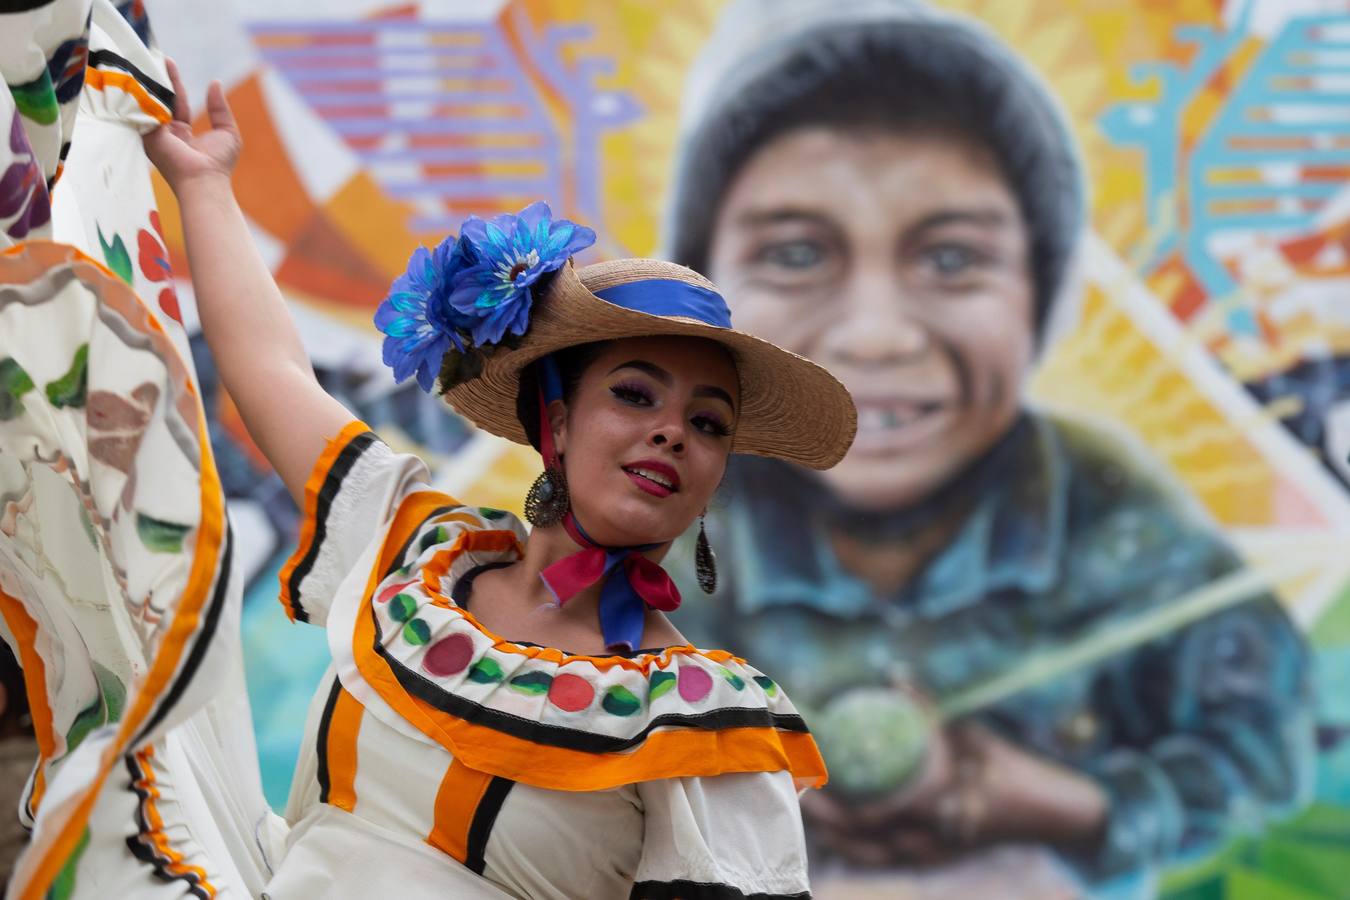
{"points": [[900, 263]]}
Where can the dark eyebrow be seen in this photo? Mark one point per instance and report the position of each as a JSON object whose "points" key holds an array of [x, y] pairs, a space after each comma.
{"points": [[983, 217], [707, 390], [661, 375], [651, 369], [775, 216]]}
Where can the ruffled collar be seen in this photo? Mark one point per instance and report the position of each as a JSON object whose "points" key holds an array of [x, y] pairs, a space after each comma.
{"points": [[539, 714]]}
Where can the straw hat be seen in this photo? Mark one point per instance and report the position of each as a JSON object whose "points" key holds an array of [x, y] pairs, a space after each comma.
{"points": [[790, 408]]}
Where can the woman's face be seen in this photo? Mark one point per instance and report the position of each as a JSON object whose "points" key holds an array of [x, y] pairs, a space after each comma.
{"points": [[900, 263], [645, 437]]}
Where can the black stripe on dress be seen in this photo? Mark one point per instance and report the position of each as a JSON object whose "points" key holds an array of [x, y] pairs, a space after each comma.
{"points": [[322, 739], [570, 738], [18, 6], [144, 849], [332, 484], [484, 817], [200, 644], [698, 890], [106, 59]]}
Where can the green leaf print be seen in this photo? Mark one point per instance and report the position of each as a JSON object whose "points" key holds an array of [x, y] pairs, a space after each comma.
{"points": [[89, 718], [159, 536], [114, 692], [71, 388], [111, 703], [88, 525], [36, 100], [14, 383], [115, 254], [63, 886]]}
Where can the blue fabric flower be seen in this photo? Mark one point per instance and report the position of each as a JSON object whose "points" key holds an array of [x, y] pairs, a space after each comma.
{"points": [[511, 254], [419, 323]]}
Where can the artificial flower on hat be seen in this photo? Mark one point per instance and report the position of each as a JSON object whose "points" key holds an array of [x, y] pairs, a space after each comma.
{"points": [[473, 292]]}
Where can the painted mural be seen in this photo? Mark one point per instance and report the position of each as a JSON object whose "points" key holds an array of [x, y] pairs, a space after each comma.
{"points": [[1133, 569]]}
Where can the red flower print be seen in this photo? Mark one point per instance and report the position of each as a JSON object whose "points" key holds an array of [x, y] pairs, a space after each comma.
{"points": [[154, 262]]}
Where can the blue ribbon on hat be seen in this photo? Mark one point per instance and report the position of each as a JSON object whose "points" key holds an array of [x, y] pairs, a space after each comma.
{"points": [[622, 608], [670, 297]]}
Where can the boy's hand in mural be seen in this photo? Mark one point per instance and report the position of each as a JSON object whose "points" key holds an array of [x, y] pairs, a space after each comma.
{"points": [[178, 153], [975, 789]]}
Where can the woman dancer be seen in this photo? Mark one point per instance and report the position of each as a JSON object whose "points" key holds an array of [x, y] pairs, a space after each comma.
{"points": [[493, 726]]}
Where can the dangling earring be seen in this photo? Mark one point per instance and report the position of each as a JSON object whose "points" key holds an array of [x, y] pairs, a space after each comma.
{"points": [[548, 501], [705, 562]]}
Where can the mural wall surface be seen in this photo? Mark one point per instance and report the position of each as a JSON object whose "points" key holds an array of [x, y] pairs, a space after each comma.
{"points": [[1085, 266]]}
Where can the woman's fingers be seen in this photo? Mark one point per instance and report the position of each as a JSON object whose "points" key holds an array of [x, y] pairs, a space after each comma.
{"points": [[218, 109], [182, 109]]}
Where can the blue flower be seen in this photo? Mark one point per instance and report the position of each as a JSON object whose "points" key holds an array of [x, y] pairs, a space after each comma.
{"points": [[510, 254], [419, 323]]}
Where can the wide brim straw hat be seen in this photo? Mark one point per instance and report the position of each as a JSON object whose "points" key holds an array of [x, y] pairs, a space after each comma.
{"points": [[790, 408]]}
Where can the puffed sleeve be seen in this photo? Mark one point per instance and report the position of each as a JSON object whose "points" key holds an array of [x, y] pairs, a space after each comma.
{"points": [[350, 498], [722, 838]]}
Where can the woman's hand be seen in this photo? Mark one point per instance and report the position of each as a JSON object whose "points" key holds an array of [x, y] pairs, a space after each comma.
{"points": [[182, 156]]}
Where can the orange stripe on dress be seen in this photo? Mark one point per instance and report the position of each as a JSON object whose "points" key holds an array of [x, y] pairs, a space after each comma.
{"points": [[32, 881], [497, 541], [457, 801], [169, 858], [102, 79], [343, 728], [313, 485], [25, 630]]}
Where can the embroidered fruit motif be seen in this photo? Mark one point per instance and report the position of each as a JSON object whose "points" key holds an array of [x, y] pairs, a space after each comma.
{"points": [[402, 607], [694, 683], [733, 679], [661, 683], [533, 683], [486, 671], [417, 632], [619, 701], [571, 693], [396, 588], [437, 535], [449, 656]]}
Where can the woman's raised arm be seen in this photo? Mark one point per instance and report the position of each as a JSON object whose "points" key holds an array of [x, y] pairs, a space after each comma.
{"points": [[257, 350]]}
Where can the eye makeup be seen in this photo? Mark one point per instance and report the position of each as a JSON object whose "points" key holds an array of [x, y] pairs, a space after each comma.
{"points": [[632, 392]]}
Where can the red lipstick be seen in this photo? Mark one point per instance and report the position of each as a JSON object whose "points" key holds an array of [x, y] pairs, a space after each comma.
{"points": [[656, 478]]}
